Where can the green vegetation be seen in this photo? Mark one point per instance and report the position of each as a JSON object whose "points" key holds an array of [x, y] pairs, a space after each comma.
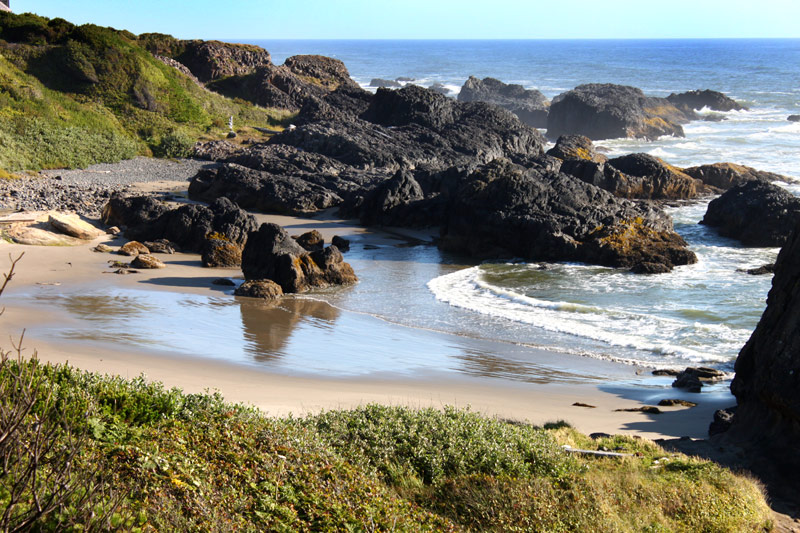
{"points": [[75, 95], [144, 458]]}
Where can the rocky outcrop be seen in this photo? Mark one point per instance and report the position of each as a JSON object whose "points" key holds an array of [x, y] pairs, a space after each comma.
{"points": [[188, 226], [322, 71], [607, 111], [530, 105], [695, 100], [289, 86], [215, 150], [221, 253], [767, 381], [648, 177], [505, 210], [756, 213], [311, 241], [270, 253], [793, 118], [212, 60], [724, 176]]}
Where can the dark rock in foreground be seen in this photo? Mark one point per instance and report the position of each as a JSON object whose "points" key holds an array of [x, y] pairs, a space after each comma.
{"points": [[696, 100], [261, 288], [221, 253], [271, 254], [607, 111], [756, 213], [724, 176], [530, 105], [504, 210], [767, 381]]}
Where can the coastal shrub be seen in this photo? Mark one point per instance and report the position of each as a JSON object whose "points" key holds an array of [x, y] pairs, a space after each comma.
{"points": [[174, 144], [194, 462]]}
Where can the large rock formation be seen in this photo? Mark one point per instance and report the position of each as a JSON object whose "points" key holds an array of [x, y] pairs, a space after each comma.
{"points": [[503, 209], [756, 213], [714, 100], [530, 105], [767, 382], [271, 254], [607, 111], [724, 176], [212, 60], [290, 85]]}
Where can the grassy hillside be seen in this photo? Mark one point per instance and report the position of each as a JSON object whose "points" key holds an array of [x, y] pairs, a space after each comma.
{"points": [[75, 95], [132, 455]]}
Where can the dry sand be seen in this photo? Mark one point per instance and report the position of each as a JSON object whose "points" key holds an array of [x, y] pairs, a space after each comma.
{"points": [[279, 394]]}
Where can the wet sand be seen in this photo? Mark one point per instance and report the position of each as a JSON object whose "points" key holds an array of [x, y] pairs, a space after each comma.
{"points": [[307, 347]]}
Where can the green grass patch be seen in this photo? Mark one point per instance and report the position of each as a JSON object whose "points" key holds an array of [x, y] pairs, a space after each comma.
{"points": [[152, 458], [74, 95]]}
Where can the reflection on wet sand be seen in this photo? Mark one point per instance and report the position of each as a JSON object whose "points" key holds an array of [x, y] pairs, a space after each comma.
{"points": [[268, 325], [295, 335]]}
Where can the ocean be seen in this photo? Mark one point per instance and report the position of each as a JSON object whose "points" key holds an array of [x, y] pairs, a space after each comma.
{"points": [[699, 314]]}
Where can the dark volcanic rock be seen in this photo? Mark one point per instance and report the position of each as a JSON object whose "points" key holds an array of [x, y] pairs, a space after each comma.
{"points": [[399, 201], [607, 111], [576, 147], [502, 209], [212, 60], [416, 128], [341, 243], [759, 271], [271, 254], [756, 213], [531, 106], [793, 118], [692, 379], [767, 381], [724, 176], [187, 226], [723, 420], [699, 99]]}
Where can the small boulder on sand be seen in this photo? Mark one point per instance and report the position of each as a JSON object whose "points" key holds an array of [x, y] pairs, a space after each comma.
{"points": [[74, 226]]}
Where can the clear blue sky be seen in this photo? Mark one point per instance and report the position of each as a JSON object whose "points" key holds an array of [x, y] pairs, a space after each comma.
{"points": [[433, 19]]}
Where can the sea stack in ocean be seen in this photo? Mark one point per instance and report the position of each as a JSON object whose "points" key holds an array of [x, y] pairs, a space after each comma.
{"points": [[530, 105]]}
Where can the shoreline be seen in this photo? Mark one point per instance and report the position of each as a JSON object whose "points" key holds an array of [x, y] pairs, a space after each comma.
{"points": [[279, 391]]}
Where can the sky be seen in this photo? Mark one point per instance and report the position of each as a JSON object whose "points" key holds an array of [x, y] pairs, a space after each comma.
{"points": [[433, 19]]}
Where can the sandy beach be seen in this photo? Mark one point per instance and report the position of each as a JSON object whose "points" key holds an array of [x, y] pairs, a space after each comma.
{"points": [[278, 389]]}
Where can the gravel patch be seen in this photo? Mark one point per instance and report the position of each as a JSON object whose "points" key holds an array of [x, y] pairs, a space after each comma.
{"points": [[86, 191]]}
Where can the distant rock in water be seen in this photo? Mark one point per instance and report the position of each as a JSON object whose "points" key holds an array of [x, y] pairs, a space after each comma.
{"points": [[767, 381], [695, 100], [724, 176], [756, 213], [607, 111], [271, 254], [530, 105], [793, 118]]}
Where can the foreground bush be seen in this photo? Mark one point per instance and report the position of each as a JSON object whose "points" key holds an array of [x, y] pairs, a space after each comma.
{"points": [[192, 462]]}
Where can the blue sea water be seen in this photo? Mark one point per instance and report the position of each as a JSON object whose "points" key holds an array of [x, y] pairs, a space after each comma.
{"points": [[699, 314]]}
